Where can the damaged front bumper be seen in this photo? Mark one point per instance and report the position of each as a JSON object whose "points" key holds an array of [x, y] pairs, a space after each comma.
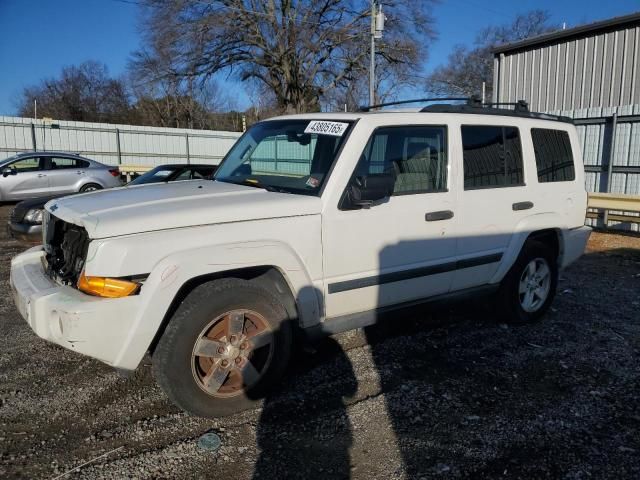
{"points": [[94, 326]]}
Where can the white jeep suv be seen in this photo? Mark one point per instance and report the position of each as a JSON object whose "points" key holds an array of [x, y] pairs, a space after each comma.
{"points": [[314, 223]]}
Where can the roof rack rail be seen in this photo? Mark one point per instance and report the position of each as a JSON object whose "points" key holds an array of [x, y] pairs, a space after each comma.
{"points": [[475, 105], [520, 105], [366, 108]]}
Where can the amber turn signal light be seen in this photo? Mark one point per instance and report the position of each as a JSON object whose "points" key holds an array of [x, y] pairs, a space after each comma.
{"points": [[106, 287]]}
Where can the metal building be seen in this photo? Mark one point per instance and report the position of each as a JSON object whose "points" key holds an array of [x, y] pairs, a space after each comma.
{"points": [[594, 65], [592, 74]]}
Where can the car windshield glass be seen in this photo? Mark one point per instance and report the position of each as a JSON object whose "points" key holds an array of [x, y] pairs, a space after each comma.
{"points": [[157, 175], [292, 156], [7, 160]]}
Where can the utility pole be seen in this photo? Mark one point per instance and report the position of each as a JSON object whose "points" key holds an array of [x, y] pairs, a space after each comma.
{"points": [[372, 65], [377, 27]]}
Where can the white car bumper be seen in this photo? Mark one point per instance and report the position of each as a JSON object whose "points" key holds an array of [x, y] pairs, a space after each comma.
{"points": [[97, 327], [575, 242]]}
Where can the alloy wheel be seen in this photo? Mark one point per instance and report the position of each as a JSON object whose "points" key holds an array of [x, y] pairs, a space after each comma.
{"points": [[535, 284], [232, 353]]}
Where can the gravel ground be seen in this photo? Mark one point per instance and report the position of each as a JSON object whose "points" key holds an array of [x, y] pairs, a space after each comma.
{"points": [[448, 394]]}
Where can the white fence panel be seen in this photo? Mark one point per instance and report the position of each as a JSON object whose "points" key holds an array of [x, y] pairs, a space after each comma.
{"points": [[115, 144]]}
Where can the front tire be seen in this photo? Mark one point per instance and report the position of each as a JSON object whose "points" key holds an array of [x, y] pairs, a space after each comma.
{"points": [[227, 344], [528, 289]]}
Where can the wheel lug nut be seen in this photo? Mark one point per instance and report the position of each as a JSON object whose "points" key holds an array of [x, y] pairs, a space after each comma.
{"points": [[238, 360], [220, 349], [224, 363], [244, 346]]}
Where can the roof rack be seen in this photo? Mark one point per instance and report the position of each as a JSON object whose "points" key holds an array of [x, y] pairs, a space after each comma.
{"points": [[475, 105], [521, 110], [366, 108]]}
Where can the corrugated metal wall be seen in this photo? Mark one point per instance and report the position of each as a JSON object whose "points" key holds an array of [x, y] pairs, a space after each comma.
{"points": [[138, 145], [609, 146], [598, 70], [596, 141]]}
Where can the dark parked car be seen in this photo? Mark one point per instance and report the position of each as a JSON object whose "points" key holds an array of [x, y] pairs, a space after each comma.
{"points": [[25, 222]]}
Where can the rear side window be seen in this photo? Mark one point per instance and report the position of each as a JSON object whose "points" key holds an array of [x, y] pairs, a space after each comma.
{"points": [[492, 157], [60, 163], [415, 155], [554, 159]]}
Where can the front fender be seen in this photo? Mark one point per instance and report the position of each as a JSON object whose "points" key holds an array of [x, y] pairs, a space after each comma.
{"points": [[528, 225], [175, 270]]}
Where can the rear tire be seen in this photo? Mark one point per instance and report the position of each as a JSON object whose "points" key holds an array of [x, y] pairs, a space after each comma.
{"points": [[528, 289], [90, 187], [227, 344]]}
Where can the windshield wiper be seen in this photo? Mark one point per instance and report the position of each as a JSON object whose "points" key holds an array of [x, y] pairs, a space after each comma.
{"points": [[257, 184]]}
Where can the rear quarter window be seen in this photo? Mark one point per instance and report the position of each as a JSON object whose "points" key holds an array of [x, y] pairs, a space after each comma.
{"points": [[554, 158]]}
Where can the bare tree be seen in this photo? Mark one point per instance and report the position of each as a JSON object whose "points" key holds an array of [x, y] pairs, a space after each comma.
{"points": [[467, 68], [300, 50], [82, 93]]}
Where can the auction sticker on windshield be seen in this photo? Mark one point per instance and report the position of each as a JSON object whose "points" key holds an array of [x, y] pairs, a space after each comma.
{"points": [[326, 128]]}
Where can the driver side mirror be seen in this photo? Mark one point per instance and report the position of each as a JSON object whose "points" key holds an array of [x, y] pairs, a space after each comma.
{"points": [[369, 190], [8, 171]]}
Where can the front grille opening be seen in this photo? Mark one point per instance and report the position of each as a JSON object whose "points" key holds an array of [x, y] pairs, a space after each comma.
{"points": [[66, 248]]}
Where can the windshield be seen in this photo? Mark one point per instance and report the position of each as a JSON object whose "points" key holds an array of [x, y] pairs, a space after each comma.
{"points": [[291, 156], [7, 160], [157, 175]]}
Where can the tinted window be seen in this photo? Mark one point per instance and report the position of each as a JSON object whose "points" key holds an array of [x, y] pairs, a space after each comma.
{"points": [[417, 156], [492, 157], [58, 163], [203, 173], [184, 175], [554, 159]]}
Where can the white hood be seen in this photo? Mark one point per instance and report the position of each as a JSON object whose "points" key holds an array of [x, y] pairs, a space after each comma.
{"points": [[146, 208]]}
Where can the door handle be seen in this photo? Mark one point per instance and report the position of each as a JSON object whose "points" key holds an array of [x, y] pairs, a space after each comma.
{"points": [[437, 216], [522, 206], [40, 175]]}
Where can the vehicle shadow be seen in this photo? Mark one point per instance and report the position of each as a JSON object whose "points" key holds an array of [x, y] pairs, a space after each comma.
{"points": [[304, 436], [304, 430]]}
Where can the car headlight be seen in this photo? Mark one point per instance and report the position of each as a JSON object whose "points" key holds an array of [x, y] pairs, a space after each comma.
{"points": [[34, 216]]}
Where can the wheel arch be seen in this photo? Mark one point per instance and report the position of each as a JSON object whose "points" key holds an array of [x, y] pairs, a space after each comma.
{"points": [[269, 277], [545, 228]]}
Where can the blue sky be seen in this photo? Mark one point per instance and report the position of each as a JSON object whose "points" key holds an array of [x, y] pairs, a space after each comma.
{"points": [[42, 36]]}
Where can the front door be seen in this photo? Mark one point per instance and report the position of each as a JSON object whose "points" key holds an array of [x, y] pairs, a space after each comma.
{"points": [[402, 249], [28, 179]]}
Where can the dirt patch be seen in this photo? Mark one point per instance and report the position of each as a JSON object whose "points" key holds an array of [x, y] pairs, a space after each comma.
{"points": [[446, 394]]}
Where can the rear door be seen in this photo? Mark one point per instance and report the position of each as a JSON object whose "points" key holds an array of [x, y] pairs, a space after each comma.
{"points": [[28, 179], [493, 199], [65, 173]]}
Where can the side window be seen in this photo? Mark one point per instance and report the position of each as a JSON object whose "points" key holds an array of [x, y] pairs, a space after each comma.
{"points": [[417, 156], [492, 157], [554, 159], [203, 173], [184, 175], [61, 163], [31, 164]]}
